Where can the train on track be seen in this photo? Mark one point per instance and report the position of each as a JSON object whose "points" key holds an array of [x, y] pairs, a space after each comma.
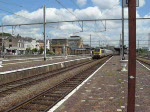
{"points": [[99, 53]]}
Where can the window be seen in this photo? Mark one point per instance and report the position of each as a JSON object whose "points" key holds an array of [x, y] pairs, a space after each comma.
{"points": [[102, 51], [54, 50], [97, 50], [10, 45], [10, 40]]}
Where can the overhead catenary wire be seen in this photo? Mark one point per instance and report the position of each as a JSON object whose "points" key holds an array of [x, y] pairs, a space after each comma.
{"points": [[81, 25], [105, 12], [96, 32], [80, 8], [14, 14], [66, 8], [85, 20], [74, 15]]}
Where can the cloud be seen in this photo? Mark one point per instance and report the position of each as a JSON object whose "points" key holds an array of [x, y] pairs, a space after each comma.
{"points": [[95, 28], [81, 2], [141, 3], [88, 13], [69, 27], [105, 4]]}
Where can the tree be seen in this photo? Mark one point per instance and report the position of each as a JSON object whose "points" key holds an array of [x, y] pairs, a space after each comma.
{"points": [[34, 50], [6, 34], [28, 50], [41, 50]]}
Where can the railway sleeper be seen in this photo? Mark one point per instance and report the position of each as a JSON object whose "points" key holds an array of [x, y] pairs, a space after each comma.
{"points": [[72, 84], [34, 107], [53, 95], [43, 102], [64, 89], [24, 110], [77, 81], [59, 92], [46, 98], [56, 94], [7, 93]]}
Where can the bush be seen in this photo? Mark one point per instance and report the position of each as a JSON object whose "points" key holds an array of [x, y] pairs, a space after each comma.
{"points": [[51, 53]]}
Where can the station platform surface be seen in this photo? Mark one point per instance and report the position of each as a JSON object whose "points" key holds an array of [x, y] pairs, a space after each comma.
{"points": [[107, 89], [15, 64]]}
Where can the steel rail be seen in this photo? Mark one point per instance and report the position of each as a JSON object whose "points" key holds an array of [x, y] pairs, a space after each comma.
{"points": [[12, 86], [55, 93]]}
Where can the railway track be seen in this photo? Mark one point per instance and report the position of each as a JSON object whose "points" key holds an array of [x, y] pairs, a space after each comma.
{"points": [[47, 99], [144, 60], [11, 87]]}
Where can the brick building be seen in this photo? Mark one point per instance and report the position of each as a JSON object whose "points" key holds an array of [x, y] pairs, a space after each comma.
{"points": [[59, 46]]}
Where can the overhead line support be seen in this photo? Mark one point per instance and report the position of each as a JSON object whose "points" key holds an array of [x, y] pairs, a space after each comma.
{"points": [[71, 21], [44, 33]]}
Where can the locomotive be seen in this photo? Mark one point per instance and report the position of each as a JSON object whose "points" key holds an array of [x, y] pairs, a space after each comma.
{"points": [[99, 53]]}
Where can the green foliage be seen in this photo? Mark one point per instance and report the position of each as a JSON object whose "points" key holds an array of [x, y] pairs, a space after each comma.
{"points": [[28, 50], [34, 50], [51, 53], [47, 50], [41, 50], [142, 52], [6, 34]]}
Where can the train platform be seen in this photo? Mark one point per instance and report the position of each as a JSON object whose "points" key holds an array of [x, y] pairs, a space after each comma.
{"points": [[21, 64], [106, 91]]}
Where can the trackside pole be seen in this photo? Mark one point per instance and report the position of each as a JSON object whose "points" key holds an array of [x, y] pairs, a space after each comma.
{"points": [[44, 23], [132, 56]]}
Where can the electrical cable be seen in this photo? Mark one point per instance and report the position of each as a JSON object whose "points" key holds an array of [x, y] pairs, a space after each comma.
{"points": [[66, 9], [14, 14], [96, 32]]}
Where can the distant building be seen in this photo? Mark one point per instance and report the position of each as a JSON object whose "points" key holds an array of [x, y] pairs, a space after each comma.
{"points": [[1, 46], [75, 42], [60, 46], [145, 48], [31, 43], [13, 45], [18, 45]]}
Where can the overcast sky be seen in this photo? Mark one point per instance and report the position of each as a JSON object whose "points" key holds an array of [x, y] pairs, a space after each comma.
{"points": [[31, 11]]}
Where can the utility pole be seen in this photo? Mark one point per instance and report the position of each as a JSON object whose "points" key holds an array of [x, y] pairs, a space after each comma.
{"points": [[3, 49], [120, 45], [122, 32], [138, 47], [132, 56], [149, 46], [90, 41], [44, 24], [99, 43]]}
